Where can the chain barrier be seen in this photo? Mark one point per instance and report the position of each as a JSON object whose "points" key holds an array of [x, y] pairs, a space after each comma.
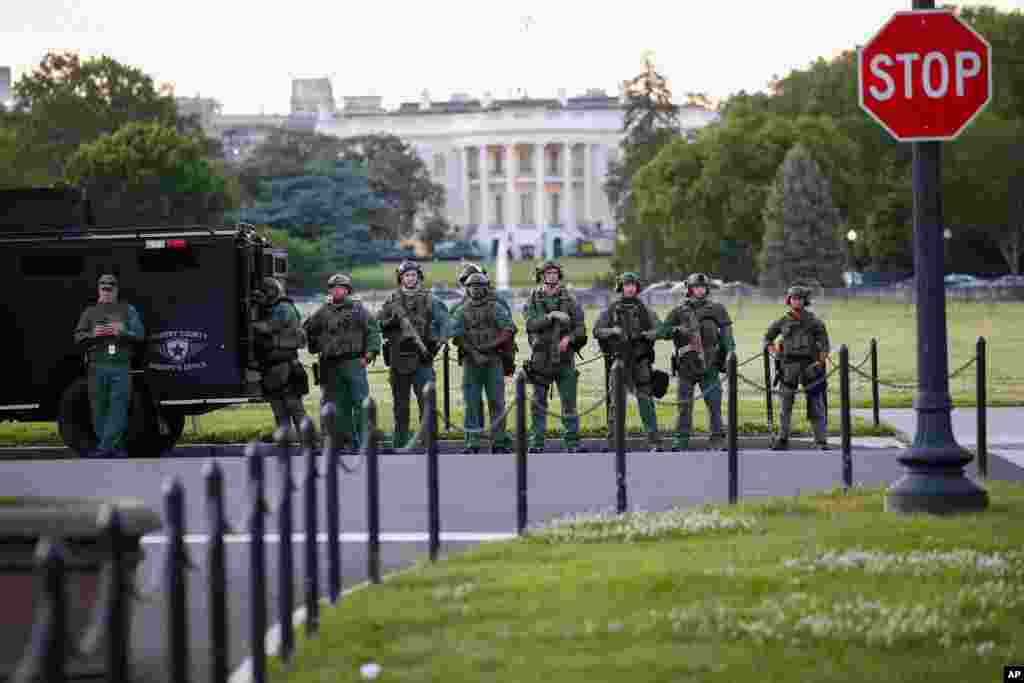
{"points": [[559, 416]]}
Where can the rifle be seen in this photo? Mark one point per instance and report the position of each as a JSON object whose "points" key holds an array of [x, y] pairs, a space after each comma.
{"points": [[409, 332]]}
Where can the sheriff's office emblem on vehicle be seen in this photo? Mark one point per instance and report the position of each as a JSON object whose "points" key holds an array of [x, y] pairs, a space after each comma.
{"points": [[177, 350]]}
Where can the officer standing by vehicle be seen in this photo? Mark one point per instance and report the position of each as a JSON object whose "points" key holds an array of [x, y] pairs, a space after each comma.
{"points": [[279, 338], [109, 331], [347, 337], [479, 328], [699, 359], [804, 352], [555, 325], [414, 322], [626, 331]]}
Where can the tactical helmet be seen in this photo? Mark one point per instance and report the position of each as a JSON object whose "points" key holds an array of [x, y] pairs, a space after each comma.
{"points": [[470, 269], [801, 291], [627, 277], [404, 267], [546, 266], [272, 288], [475, 282], [698, 280], [340, 280]]}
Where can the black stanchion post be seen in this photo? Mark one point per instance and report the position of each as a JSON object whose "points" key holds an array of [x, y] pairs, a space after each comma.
{"points": [[521, 510], [619, 380], [982, 400], [734, 421], [608, 398], [257, 565], [216, 580], [285, 557], [447, 390], [333, 508], [372, 491], [874, 382], [175, 583], [52, 557], [116, 643], [433, 483], [312, 530], [844, 414], [767, 357]]}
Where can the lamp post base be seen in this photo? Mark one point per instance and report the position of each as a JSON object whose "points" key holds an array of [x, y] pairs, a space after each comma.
{"points": [[935, 489]]}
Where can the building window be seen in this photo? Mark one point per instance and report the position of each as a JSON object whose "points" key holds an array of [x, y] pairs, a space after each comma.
{"points": [[499, 209], [526, 161], [440, 169], [473, 163], [526, 216], [553, 162], [498, 169], [556, 205]]}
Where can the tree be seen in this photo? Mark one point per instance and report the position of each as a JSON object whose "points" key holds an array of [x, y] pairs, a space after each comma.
{"points": [[148, 173], [285, 153], [18, 168], [67, 101], [435, 229], [802, 226]]}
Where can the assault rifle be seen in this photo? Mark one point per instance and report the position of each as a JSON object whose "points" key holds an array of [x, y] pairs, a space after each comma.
{"points": [[409, 332]]}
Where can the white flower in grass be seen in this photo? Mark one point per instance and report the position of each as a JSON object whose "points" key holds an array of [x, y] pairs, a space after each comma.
{"points": [[370, 670], [985, 648]]}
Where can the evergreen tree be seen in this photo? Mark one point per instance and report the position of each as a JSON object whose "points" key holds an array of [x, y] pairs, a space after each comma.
{"points": [[801, 226]]}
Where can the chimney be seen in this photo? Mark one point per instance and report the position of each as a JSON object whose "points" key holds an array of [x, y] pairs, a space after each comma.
{"points": [[425, 100], [563, 96]]}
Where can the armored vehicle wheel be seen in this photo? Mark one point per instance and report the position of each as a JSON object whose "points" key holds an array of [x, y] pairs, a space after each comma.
{"points": [[175, 422], [74, 418]]}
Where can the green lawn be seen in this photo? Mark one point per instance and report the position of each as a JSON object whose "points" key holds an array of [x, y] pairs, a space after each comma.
{"points": [[823, 587], [853, 323], [521, 273]]}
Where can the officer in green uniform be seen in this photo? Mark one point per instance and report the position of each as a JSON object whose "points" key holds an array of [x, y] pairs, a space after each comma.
{"points": [[555, 325], [413, 322], [699, 358], [347, 337], [804, 352], [479, 327], [472, 269], [108, 331], [626, 331], [279, 336]]}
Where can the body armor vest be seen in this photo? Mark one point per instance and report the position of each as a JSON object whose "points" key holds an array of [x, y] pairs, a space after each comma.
{"points": [[343, 331], [798, 336], [481, 322], [707, 319], [415, 306], [546, 358], [633, 317]]}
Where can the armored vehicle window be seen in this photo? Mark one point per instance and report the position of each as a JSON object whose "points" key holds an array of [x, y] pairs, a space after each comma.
{"points": [[280, 265], [168, 260], [52, 264]]}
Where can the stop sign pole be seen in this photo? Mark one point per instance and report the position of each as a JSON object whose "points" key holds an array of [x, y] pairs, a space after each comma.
{"points": [[933, 480]]}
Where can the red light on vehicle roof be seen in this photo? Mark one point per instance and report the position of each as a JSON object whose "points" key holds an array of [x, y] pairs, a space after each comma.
{"points": [[177, 244]]}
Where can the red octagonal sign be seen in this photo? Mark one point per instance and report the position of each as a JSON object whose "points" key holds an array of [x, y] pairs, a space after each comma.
{"points": [[925, 75]]}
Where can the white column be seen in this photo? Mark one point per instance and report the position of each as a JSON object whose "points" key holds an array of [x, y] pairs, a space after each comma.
{"points": [[511, 205], [485, 191], [467, 204], [568, 196], [587, 173], [538, 192]]}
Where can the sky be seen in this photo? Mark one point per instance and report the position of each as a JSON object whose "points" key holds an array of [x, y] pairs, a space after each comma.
{"points": [[245, 55]]}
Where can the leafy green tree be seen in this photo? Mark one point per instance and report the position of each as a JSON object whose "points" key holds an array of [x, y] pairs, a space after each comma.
{"points": [[67, 101], [285, 153], [1005, 33], [802, 226], [148, 173], [18, 167]]}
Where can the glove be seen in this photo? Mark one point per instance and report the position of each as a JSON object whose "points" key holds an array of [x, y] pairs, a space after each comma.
{"points": [[559, 316], [822, 358]]}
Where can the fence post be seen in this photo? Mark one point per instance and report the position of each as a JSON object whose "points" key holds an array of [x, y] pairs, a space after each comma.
{"points": [[46, 657], [372, 490], [844, 414], [117, 626], [608, 398], [767, 357], [433, 484], [177, 614], [982, 410], [521, 502], [874, 382], [257, 564], [619, 381], [215, 577], [447, 390], [333, 507], [285, 566], [312, 530], [733, 408]]}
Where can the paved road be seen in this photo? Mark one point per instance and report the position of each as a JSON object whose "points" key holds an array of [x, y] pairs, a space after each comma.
{"points": [[477, 495]]}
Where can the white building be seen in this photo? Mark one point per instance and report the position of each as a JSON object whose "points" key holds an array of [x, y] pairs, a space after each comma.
{"points": [[528, 170]]}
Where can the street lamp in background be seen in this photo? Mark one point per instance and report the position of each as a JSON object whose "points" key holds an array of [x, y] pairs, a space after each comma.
{"points": [[851, 238], [947, 235]]}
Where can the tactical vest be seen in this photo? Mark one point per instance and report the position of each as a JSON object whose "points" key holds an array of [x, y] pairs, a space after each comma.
{"points": [[283, 344], [546, 359], [798, 336], [415, 306], [710, 334], [633, 318], [343, 330], [480, 320]]}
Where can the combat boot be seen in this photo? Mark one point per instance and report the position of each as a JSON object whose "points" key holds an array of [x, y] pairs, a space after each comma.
{"points": [[717, 443], [780, 444], [680, 443], [654, 444]]}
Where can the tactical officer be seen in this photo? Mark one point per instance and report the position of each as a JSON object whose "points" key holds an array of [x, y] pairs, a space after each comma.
{"points": [[803, 352], [626, 331], [108, 332], [479, 328], [471, 269], [554, 323], [701, 330], [279, 337], [347, 337], [413, 322]]}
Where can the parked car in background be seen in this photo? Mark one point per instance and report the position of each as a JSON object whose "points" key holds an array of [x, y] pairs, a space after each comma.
{"points": [[964, 280], [1008, 281], [453, 250]]}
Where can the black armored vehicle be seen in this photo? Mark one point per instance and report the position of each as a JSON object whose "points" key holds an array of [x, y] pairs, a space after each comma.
{"points": [[192, 286]]}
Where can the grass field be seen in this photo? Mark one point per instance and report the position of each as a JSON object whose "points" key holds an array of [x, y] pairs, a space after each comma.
{"points": [[521, 273], [850, 322], [822, 587]]}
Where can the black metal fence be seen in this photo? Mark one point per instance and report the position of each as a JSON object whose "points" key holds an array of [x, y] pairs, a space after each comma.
{"points": [[50, 647]]}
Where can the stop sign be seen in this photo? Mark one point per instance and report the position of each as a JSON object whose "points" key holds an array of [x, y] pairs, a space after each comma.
{"points": [[925, 75]]}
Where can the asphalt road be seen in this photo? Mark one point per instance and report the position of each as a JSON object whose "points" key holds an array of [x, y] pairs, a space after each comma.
{"points": [[477, 494]]}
